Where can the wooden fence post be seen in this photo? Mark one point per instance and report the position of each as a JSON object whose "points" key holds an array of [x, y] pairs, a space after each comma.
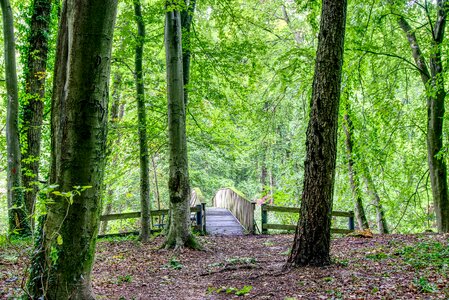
{"points": [[253, 207], [199, 217], [203, 209], [264, 218], [351, 221]]}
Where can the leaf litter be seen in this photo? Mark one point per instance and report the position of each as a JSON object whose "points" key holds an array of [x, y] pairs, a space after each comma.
{"points": [[250, 267]]}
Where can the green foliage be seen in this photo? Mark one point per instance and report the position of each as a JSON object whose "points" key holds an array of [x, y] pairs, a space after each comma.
{"points": [[249, 93], [174, 264], [424, 285], [121, 279], [426, 254], [244, 290], [231, 290], [377, 255], [119, 239]]}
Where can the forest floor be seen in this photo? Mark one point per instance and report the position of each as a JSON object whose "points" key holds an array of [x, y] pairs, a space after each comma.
{"points": [[250, 267]]}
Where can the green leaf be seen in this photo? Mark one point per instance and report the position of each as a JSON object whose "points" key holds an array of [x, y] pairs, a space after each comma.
{"points": [[245, 290], [59, 240]]}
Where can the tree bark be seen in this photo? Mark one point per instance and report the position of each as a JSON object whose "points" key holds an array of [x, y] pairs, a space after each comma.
{"points": [[17, 211], [107, 211], [360, 216], [142, 119], [434, 84], [381, 221], [117, 111], [33, 109], [179, 233], [186, 24], [79, 129], [312, 239], [156, 184]]}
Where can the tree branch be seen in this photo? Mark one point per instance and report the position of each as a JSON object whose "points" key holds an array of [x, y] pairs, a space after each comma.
{"points": [[389, 55], [416, 50], [440, 23]]}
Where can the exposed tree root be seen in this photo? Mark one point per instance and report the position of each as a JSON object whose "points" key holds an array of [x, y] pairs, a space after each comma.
{"points": [[177, 244]]}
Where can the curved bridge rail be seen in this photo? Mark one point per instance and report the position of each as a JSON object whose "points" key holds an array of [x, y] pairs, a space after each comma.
{"points": [[238, 205]]}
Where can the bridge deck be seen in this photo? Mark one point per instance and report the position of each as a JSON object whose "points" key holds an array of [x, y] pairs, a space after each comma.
{"points": [[220, 221]]}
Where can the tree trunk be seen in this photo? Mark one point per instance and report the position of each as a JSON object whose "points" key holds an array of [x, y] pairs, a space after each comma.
{"points": [[142, 119], [34, 104], [263, 179], [381, 221], [17, 212], [107, 211], [115, 117], [434, 84], [360, 216], [179, 233], [79, 129], [186, 23], [156, 185], [312, 239]]}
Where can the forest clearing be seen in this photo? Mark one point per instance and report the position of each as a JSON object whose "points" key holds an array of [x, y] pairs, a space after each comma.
{"points": [[250, 267]]}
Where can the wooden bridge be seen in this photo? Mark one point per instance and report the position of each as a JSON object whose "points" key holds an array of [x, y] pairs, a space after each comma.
{"points": [[231, 214]]}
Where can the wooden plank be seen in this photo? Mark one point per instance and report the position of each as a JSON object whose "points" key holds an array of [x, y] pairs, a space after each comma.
{"points": [[279, 226], [346, 214], [281, 208], [293, 228], [120, 234], [130, 215], [136, 214], [220, 221], [296, 210]]}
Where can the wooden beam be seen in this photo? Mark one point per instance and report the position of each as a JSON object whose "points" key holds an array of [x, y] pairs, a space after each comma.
{"points": [[130, 215], [287, 209], [281, 209], [136, 214], [293, 228], [346, 214], [279, 227]]}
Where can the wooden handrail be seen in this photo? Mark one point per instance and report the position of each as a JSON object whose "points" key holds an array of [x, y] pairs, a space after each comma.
{"points": [[238, 205]]}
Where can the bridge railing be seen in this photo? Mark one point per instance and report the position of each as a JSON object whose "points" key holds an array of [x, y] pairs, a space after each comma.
{"points": [[238, 205], [283, 209]]}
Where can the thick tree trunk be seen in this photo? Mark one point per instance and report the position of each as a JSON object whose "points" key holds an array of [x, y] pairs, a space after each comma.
{"points": [[312, 239], [179, 233], [79, 129], [434, 84], [17, 211], [360, 216], [34, 104], [142, 119]]}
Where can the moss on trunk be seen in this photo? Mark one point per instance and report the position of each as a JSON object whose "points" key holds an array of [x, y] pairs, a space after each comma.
{"points": [[79, 127]]}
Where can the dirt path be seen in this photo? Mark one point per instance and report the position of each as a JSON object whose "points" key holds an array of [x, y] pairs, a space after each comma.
{"points": [[390, 267]]}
